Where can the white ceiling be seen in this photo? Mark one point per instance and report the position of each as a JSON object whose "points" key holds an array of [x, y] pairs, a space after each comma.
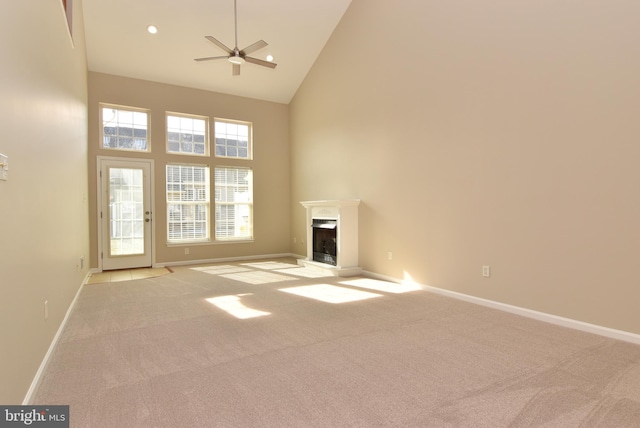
{"points": [[296, 31]]}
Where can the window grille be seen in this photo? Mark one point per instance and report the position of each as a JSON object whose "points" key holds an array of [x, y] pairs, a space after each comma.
{"points": [[187, 135], [233, 203], [233, 139], [124, 128], [187, 203]]}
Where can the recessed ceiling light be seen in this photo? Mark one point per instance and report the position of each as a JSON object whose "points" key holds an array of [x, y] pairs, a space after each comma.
{"points": [[269, 58], [152, 29]]}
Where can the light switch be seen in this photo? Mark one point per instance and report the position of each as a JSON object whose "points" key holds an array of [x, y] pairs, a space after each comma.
{"points": [[4, 167]]}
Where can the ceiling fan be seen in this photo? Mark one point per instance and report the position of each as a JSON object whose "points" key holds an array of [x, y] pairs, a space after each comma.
{"points": [[237, 56]]}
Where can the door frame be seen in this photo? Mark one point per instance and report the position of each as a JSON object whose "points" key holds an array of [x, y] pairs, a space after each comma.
{"points": [[150, 163]]}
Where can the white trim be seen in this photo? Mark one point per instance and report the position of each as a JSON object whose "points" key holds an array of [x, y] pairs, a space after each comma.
{"points": [[203, 200], [45, 361], [207, 139], [345, 213], [203, 243], [222, 260], [125, 152], [151, 164], [236, 122], [529, 313]]}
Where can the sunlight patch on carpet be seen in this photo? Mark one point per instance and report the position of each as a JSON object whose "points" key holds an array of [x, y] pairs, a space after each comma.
{"points": [[330, 293], [306, 272], [220, 269], [233, 306], [269, 265], [258, 277]]}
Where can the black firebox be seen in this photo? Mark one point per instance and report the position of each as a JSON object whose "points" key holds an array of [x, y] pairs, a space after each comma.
{"points": [[325, 241]]}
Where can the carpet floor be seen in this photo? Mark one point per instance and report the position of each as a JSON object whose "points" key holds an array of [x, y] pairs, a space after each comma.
{"points": [[272, 344]]}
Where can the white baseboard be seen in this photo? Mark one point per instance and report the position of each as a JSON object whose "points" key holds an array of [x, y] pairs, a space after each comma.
{"points": [[540, 316], [45, 361]]}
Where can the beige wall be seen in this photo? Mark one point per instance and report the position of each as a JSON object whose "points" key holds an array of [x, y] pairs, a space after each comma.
{"points": [[43, 205], [484, 133], [270, 162], [476, 133]]}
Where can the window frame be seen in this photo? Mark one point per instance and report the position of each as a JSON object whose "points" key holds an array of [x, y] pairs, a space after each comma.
{"points": [[217, 204], [207, 142], [249, 125], [117, 107], [206, 203]]}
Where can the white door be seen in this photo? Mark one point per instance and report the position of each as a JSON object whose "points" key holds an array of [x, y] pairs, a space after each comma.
{"points": [[125, 215]]}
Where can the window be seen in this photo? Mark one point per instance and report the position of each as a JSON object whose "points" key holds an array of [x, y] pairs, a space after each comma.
{"points": [[233, 139], [187, 134], [124, 128], [233, 203], [187, 203]]}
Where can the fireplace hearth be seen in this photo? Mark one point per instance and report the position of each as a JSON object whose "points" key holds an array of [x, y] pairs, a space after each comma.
{"points": [[332, 236]]}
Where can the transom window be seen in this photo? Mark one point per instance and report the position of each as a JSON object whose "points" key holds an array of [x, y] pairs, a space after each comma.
{"points": [[124, 128], [233, 139], [187, 203], [187, 134]]}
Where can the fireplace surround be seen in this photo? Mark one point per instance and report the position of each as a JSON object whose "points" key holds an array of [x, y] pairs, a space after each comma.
{"points": [[332, 236]]}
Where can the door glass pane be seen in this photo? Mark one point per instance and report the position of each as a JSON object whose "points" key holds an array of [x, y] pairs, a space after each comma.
{"points": [[126, 212]]}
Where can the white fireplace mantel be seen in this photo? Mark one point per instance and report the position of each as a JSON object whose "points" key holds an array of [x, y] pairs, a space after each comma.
{"points": [[345, 212]]}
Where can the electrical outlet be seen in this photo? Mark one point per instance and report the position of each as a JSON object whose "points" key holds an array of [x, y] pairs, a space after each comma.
{"points": [[486, 271], [46, 309], [186, 251], [390, 255], [81, 262], [295, 239]]}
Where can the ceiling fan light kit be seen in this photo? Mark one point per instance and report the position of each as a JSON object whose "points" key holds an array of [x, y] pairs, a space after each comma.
{"points": [[236, 56]]}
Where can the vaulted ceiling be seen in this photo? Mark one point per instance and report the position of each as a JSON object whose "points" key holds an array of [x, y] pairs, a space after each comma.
{"points": [[296, 31]]}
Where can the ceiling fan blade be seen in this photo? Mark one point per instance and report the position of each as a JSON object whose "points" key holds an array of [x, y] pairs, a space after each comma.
{"points": [[208, 58], [260, 62], [219, 44], [236, 70], [254, 47]]}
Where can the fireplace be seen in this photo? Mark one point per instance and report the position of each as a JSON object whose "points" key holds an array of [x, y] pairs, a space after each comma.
{"points": [[325, 241], [332, 236]]}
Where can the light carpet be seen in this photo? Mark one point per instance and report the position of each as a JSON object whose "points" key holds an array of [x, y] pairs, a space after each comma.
{"points": [[271, 344]]}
